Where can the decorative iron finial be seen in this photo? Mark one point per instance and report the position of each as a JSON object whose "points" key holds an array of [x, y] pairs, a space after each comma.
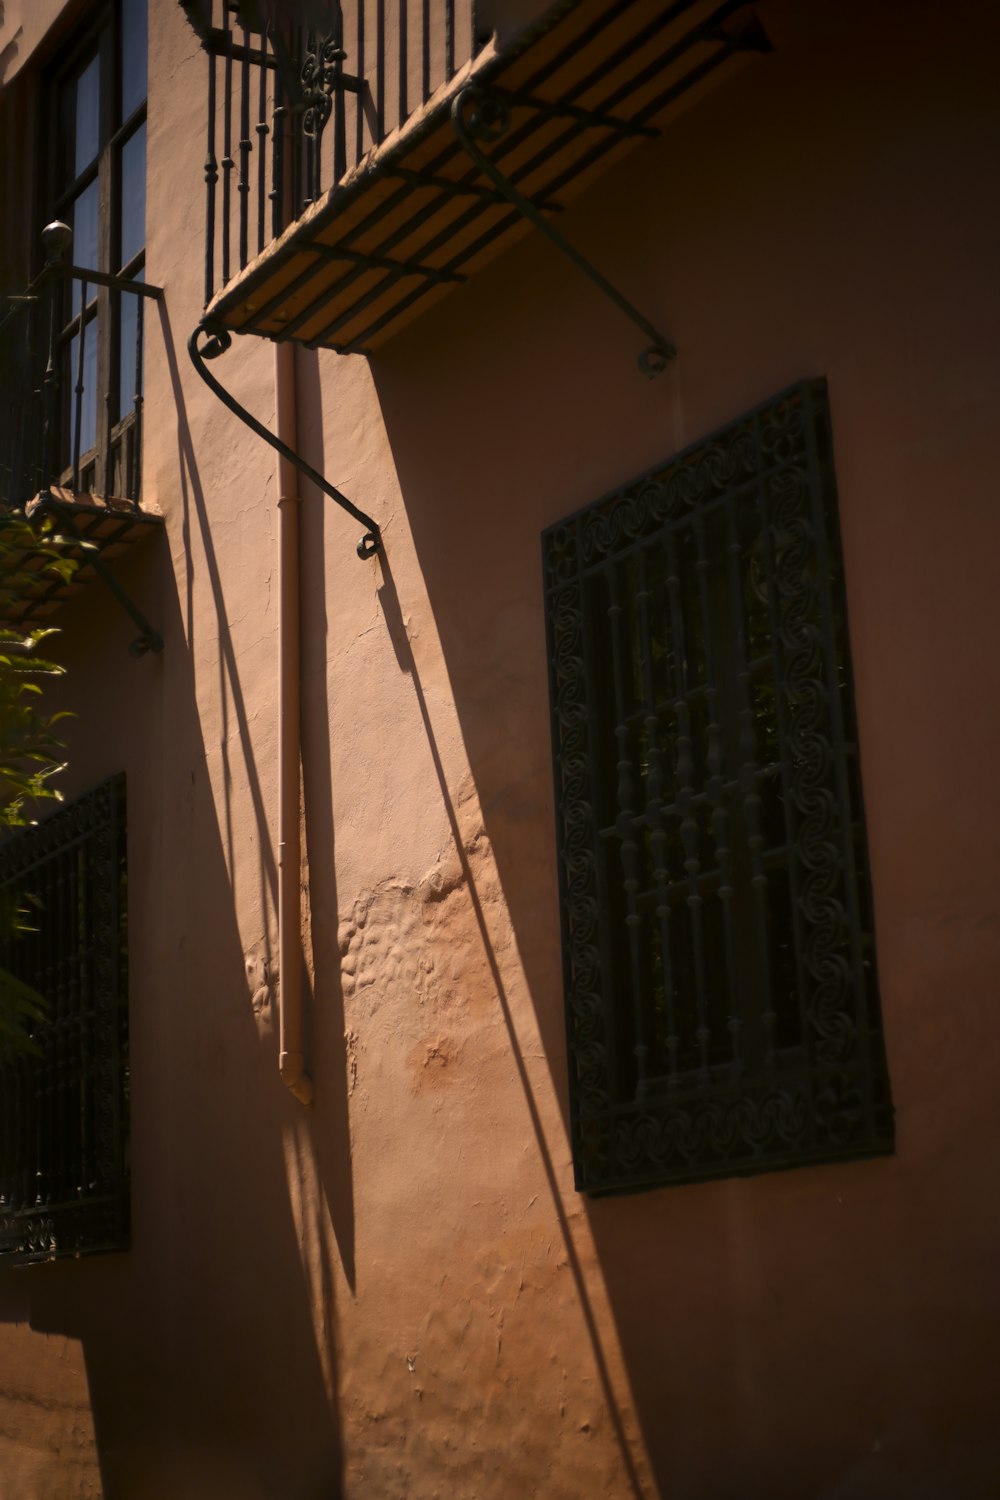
{"points": [[57, 238]]}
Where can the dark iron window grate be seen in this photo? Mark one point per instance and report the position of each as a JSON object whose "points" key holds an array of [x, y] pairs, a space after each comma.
{"points": [[64, 1105], [719, 958]]}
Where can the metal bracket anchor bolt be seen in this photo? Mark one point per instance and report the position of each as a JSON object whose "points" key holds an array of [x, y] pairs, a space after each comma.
{"points": [[476, 113]]}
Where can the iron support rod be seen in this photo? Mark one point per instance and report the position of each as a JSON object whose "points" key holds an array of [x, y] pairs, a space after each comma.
{"points": [[491, 117], [106, 278], [216, 341]]}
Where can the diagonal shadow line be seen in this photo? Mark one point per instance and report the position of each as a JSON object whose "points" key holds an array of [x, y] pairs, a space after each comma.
{"points": [[334, 1167], [191, 489], [389, 601]]}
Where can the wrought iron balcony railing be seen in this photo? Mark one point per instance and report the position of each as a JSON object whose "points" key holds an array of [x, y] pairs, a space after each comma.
{"points": [[71, 351], [354, 176], [293, 108]]}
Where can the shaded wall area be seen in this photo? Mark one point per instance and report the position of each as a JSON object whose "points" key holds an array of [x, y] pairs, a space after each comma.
{"points": [[47, 1443], [208, 1365], [822, 1332], [399, 1292], [202, 1363]]}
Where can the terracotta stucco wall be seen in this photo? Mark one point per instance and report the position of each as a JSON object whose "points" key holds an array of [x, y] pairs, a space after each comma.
{"points": [[398, 1293]]}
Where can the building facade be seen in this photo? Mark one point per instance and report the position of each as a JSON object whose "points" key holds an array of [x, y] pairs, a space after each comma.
{"points": [[560, 953]]}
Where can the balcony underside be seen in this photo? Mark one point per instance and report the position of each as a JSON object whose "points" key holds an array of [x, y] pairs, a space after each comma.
{"points": [[93, 527], [567, 99]]}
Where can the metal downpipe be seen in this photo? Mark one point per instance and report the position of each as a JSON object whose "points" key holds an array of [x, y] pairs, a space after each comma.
{"points": [[291, 1060]]}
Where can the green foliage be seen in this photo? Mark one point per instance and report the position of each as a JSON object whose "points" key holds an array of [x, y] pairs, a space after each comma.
{"points": [[30, 743]]}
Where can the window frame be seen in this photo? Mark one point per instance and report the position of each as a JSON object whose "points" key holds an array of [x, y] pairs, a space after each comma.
{"points": [[114, 451], [630, 1132]]}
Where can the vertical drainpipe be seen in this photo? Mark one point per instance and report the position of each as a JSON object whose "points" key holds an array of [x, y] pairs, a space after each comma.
{"points": [[291, 1060]]}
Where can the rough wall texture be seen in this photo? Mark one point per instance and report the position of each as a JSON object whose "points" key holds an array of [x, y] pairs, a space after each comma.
{"points": [[47, 1444], [398, 1292], [451, 1322]]}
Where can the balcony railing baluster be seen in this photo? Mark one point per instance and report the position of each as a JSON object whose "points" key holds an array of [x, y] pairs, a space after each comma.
{"points": [[78, 390], [298, 140], [425, 57], [211, 178], [135, 444], [262, 133], [278, 154], [243, 186], [227, 148], [380, 69]]}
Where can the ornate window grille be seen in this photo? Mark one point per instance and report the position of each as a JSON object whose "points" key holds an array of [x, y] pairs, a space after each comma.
{"points": [[64, 1186], [720, 974]]}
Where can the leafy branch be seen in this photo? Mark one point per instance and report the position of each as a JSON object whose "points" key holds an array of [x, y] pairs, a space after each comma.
{"points": [[31, 746]]}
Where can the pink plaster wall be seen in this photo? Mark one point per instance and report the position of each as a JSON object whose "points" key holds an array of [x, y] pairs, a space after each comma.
{"points": [[398, 1293], [24, 25]]}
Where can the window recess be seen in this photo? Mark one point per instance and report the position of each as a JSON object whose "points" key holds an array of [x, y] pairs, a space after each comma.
{"points": [[64, 1183], [96, 185], [72, 343], [721, 989]]}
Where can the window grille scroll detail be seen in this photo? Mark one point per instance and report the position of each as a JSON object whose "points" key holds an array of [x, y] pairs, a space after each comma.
{"points": [[719, 955]]}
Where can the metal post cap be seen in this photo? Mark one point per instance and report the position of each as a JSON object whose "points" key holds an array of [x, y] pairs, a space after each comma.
{"points": [[57, 238]]}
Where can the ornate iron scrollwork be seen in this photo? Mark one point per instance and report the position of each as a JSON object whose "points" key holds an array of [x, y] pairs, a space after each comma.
{"points": [[719, 958], [319, 76]]}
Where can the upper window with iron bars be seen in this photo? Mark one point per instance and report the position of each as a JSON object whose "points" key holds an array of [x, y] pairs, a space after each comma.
{"points": [[720, 973], [96, 184]]}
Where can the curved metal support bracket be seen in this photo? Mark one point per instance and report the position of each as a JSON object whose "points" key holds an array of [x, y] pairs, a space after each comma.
{"points": [[148, 639], [209, 341], [477, 112]]}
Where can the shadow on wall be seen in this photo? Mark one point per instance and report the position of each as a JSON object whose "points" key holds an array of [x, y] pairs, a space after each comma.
{"points": [[823, 1332], [210, 1346], [393, 616], [330, 1112]]}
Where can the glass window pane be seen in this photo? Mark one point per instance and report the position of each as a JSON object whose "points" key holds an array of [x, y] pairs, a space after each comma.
{"points": [[88, 398], [133, 55], [80, 121], [133, 181], [83, 221], [128, 353]]}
